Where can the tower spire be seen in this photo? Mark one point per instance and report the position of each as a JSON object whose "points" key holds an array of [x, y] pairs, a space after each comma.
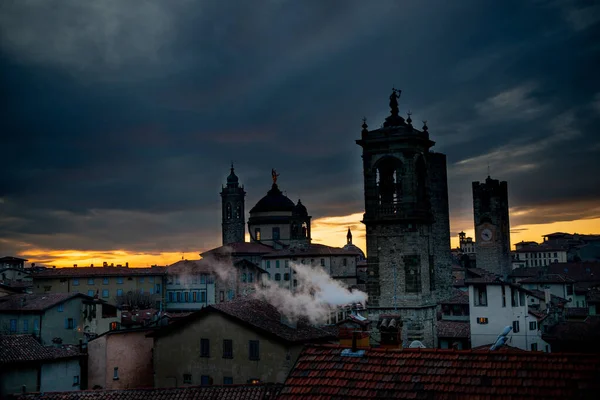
{"points": [[349, 236]]}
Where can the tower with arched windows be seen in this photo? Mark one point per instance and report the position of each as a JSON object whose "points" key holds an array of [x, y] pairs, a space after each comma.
{"points": [[407, 224], [233, 214]]}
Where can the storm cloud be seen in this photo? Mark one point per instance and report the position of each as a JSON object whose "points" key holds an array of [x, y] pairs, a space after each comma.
{"points": [[120, 120]]}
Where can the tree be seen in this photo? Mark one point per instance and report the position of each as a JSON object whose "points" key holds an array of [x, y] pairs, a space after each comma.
{"points": [[136, 300]]}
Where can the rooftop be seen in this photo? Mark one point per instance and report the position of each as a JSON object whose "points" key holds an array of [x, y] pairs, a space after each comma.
{"points": [[217, 392], [311, 250], [78, 272], [35, 302], [256, 314], [238, 248], [459, 297], [454, 329], [548, 278], [25, 348], [323, 372]]}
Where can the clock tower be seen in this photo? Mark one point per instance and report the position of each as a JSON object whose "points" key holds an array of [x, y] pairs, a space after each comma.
{"points": [[492, 227]]}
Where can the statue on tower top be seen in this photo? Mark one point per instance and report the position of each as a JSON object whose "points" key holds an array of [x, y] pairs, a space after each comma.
{"points": [[274, 175], [394, 119], [394, 101]]}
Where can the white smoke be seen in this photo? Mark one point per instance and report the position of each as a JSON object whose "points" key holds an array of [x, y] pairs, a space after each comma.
{"points": [[315, 296]]}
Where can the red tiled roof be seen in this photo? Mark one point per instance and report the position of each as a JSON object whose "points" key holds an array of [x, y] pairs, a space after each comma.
{"points": [[548, 278], [542, 296], [23, 302], [78, 272], [25, 348], [505, 348], [539, 315], [221, 392], [322, 372], [588, 271], [454, 329], [459, 297], [239, 247], [259, 315], [311, 250]]}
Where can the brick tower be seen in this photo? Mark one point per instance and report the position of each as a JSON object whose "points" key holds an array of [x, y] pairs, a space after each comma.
{"points": [[232, 200], [492, 226], [407, 224]]}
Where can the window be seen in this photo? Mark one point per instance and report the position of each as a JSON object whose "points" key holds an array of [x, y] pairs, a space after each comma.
{"points": [[480, 298], [503, 296], [431, 274], [277, 264], [186, 295], [170, 296], [514, 299], [178, 296], [277, 277], [187, 378], [115, 373], [91, 293], [287, 263], [250, 277], [221, 296], [76, 380], [203, 297], [521, 298], [194, 297], [295, 282], [269, 263], [276, 233], [205, 380], [533, 346], [412, 271], [75, 282], [69, 323], [230, 294], [141, 279], [204, 348], [177, 280], [105, 293], [114, 326], [569, 290], [322, 262], [515, 326], [25, 325], [345, 262], [257, 233], [244, 277], [120, 280], [532, 325], [482, 320], [90, 281], [227, 380], [157, 288], [13, 326], [105, 281], [36, 325], [286, 277], [253, 350], [227, 348], [61, 307]]}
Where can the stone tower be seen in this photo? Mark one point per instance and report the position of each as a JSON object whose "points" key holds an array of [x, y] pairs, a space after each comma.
{"points": [[492, 227], [232, 200], [407, 224]]}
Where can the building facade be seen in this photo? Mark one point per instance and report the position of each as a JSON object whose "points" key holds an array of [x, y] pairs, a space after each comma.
{"points": [[532, 254], [407, 223], [492, 226], [190, 285], [121, 360], [233, 212], [116, 285]]}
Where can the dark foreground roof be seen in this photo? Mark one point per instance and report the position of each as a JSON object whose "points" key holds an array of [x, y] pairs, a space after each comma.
{"points": [[25, 348], [225, 392], [23, 302], [257, 315], [322, 372], [90, 272]]}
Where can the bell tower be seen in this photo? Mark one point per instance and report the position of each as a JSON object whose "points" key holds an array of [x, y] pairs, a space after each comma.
{"points": [[407, 224], [232, 201]]}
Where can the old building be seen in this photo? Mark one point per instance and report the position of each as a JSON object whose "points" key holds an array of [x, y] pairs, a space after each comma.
{"points": [[532, 254], [12, 262], [340, 264], [98, 316], [495, 304], [492, 226], [190, 285], [453, 329], [466, 244], [233, 212], [121, 360], [52, 317], [407, 223], [116, 285], [27, 366], [335, 372], [234, 342]]}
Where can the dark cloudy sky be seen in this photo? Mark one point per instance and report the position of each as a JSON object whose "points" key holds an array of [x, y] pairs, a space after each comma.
{"points": [[120, 118]]}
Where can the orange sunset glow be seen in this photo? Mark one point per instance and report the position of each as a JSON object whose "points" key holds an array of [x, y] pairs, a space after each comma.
{"points": [[330, 231]]}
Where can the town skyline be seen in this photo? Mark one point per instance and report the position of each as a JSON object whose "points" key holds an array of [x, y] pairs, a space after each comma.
{"points": [[122, 138]]}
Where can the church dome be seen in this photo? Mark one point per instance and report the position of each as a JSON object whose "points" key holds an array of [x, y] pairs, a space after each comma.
{"points": [[300, 209], [354, 248], [273, 201]]}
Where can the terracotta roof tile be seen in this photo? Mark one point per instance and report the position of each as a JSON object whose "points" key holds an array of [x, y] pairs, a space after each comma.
{"points": [[454, 329], [459, 297], [311, 250], [440, 374], [220, 392], [78, 272], [25, 348], [238, 248], [35, 302]]}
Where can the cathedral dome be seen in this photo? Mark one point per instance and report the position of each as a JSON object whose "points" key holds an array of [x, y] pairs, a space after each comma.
{"points": [[275, 200], [355, 249]]}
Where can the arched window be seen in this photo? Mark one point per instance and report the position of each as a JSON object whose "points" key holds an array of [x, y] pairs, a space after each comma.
{"points": [[228, 211], [277, 277], [238, 211], [389, 182]]}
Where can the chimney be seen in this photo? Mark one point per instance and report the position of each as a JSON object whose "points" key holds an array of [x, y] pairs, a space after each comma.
{"points": [[74, 265], [112, 264], [126, 265], [54, 266], [390, 329], [354, 339], [32, 265], [91, 265], [105, 264]]}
